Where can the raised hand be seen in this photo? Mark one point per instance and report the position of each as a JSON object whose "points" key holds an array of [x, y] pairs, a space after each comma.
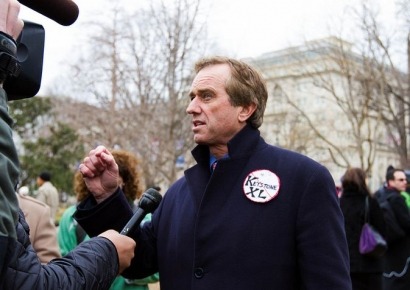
{"points": [[100, 172]]}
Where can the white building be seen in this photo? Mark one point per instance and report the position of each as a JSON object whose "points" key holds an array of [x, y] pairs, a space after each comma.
{"points": [[317, 106]]}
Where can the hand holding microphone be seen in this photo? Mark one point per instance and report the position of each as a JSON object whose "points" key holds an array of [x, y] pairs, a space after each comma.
{"points": [[125, 247], [147, 204]]}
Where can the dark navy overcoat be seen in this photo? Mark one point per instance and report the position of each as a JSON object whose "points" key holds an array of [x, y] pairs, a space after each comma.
{"points": [[266, 218]]}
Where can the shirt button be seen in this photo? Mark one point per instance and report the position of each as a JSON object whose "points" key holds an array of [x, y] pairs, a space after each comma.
{"points": [[199, 273]]}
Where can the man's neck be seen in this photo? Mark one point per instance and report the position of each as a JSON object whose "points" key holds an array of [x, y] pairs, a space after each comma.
{"points": [[218, 151], [393, 188]]}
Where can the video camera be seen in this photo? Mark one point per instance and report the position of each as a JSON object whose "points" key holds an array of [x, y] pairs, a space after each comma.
{"points": [[21, 62]]}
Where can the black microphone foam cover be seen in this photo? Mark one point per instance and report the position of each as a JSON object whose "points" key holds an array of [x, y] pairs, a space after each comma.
{"points": [[64, 12], [148, 203]]}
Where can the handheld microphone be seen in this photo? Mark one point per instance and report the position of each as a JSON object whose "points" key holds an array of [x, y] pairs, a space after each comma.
{"points": [[147, 204], [64, 12]]}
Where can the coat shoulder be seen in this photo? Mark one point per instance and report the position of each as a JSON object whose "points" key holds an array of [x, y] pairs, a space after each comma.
{"points": [[31, 201]]}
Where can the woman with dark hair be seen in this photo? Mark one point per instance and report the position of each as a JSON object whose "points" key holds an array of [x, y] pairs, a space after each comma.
{"points": [[366, 272]]}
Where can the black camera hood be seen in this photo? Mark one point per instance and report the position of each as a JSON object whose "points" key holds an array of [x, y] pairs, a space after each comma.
{"points": [[30, 52]]}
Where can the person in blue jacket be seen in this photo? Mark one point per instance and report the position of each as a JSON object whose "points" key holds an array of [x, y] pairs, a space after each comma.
{"points": [[263, 218]]}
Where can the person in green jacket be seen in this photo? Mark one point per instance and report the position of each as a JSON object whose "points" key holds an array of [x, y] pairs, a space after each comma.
{"points": [[70, 234]]}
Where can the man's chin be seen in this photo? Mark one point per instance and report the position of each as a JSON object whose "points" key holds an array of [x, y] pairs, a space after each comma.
{"points": [[198, 140]]}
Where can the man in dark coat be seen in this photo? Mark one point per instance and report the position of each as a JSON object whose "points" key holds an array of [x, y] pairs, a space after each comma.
{"points": [[397, 259], [263, 218]]}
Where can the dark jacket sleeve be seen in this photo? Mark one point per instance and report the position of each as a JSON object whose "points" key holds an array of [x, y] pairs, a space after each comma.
{"points": [[112, 213], [401, 212], [91, 265], [314, 246], [376, 217]]}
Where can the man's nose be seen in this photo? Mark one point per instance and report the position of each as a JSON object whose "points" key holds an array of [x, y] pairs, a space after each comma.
{"points": [[192, 106]]}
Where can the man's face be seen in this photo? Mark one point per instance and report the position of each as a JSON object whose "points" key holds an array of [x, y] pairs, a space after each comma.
{"points": [[39, 181], [399, 182], [214, 120]]}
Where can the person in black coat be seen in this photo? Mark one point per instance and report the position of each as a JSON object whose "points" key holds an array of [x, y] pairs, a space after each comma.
{"points": [[365, 272], [263, 218], [396, 274]]}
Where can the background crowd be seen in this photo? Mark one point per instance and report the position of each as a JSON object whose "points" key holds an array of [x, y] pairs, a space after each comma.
{"points": [[388, 213], [52, 238]]}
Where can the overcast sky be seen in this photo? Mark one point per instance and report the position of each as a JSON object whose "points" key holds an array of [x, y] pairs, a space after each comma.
{"points": [[242, 28]]}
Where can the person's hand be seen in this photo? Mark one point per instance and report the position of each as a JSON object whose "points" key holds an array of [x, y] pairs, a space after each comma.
{"points": [[10, 23], [125, 248], [100, 172]]}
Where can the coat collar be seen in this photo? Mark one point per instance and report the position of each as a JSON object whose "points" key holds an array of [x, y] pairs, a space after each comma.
{"points": [[242, 144], [199, 178]]}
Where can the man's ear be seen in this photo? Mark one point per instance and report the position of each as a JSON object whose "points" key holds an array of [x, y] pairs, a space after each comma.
{"points": [[246, 112]]}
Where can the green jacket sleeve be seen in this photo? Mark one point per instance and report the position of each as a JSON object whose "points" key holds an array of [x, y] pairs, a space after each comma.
{"points": [[9, 168]]}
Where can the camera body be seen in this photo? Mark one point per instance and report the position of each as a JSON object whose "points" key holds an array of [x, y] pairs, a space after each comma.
{"points": [[30, 54]]}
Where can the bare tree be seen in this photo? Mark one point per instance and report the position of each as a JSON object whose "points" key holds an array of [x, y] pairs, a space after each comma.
{"points": [[283, 126], [343, 77], [352, 95], [136, 73], [176, 36], [324, 104], [389, 80]]}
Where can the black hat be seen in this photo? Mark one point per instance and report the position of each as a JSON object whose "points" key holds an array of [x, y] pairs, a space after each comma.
{"points": [[46, 176]]}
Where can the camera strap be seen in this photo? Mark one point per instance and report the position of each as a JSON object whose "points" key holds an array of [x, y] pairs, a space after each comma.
{"points": [[9, 65]]}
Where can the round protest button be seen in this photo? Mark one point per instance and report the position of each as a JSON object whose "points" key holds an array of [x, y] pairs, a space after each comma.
{"points": [[261, 185]]}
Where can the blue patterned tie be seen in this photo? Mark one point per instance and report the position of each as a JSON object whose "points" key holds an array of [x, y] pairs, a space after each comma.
{"points": [[214, 165]]}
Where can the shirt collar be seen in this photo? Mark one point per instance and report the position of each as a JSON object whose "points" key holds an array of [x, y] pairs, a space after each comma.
{"points": [[212, 159]]}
